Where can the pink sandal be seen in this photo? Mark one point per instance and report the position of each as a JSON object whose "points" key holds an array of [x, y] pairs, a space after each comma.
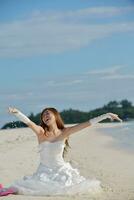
{"points": [[7, 191], [1, 186]]}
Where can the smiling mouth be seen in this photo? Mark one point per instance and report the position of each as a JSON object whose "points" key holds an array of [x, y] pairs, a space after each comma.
{"points": [[47, 120]]}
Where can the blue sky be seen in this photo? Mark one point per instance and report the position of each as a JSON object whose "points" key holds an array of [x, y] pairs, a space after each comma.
{"points": [[65, 54]]}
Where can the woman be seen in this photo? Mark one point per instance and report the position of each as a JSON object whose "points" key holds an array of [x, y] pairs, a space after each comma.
{"points": [[54, 176]]}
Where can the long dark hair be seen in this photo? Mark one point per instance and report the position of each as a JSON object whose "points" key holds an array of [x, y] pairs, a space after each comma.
{"points": [[60, 125]]}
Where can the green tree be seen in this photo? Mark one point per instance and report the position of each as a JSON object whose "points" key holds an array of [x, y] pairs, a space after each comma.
{"points": [[126, 104]]}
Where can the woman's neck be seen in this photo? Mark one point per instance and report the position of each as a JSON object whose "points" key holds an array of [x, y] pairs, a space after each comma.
{"points": [[53, 129]]}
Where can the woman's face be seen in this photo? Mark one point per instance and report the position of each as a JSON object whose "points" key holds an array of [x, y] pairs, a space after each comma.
{"points": [[48, 117]]}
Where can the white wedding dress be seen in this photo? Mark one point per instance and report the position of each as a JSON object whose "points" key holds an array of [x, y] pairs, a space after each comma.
{"points": [[54, 176]]}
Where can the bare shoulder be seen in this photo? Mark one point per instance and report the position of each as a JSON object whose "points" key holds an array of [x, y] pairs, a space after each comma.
{"points": [[65, 130], [41, 130], [42, 136], [64, 133]]}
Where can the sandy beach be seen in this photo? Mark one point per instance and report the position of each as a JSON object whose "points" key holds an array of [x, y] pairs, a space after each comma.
{"points": [[91, 152]]}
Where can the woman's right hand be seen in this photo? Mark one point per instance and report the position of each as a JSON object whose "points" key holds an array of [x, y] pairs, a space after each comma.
{"points": [[12, 110], [114, 116]]}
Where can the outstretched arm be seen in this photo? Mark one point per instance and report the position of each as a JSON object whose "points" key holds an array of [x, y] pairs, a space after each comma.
{"points": [[37, 129], [91, 122]]}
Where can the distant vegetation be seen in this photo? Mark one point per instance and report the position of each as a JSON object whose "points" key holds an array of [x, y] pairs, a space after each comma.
{"points": [[124, 109]]}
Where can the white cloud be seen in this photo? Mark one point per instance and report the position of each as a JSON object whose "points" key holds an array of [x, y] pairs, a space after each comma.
{"points": [[119, 76], [106, 71], [114, 72], [103, 11], [68, 82], [48, 33]]}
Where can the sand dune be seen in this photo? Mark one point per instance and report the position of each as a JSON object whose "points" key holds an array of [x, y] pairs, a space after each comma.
{"points": [[91, 152]]}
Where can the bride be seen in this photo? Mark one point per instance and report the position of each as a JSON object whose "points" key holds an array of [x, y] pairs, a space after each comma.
{"points": [[54, 176]]}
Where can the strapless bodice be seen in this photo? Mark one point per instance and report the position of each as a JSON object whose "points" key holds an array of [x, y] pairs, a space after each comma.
{"points": [[51, 153]]}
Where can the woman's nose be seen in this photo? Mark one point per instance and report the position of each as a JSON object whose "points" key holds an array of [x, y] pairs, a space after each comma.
{"points": [[47, 114]]}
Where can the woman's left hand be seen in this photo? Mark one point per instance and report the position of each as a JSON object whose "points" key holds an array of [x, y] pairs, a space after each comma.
{"points": [[115, 116], [12, 110]]}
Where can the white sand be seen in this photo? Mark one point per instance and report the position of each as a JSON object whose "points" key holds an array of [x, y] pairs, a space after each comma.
{"points": [[91, 152]]}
